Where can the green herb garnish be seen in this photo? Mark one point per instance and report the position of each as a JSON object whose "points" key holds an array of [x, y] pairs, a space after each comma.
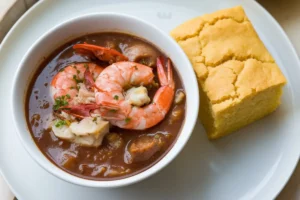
{"points": [[113, 110], [95, 120], [78, 72], [77, 80], [85, 65], [61, 101], [60, 123], [116, 97], [127, 119], [62, 69]]}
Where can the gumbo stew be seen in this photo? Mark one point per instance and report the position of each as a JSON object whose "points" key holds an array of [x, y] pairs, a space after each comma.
{"points": [[105, 106]]}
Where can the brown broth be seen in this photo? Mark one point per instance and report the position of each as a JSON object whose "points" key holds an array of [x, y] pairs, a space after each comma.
{"points": [[39, 115]]}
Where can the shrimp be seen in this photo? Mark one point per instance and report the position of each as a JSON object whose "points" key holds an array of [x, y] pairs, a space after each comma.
{"points": [[66, 82], [115, 78], [73, 103], [73, 90], [102, 53]]}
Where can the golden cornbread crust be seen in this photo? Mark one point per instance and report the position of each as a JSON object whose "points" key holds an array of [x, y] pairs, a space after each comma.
{"points": [[238, 78]]}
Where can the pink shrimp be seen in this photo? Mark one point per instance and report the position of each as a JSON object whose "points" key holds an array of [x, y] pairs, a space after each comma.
{"points": [[102, 53], [118, 76], [66, 81]]}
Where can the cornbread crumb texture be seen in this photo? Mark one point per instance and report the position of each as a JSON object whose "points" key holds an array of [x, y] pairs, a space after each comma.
{"points": [[231, 63]]}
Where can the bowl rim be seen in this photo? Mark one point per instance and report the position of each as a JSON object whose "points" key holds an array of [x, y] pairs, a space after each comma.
{"points": [[63, 175]]}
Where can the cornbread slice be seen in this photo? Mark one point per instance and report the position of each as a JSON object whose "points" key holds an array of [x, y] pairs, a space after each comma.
{"points": [[238, 78]]}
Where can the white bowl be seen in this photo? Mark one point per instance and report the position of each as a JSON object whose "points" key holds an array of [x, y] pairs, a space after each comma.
{"points": [[92, 23]]}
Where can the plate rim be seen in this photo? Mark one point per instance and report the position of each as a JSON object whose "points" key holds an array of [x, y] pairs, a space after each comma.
{"points": [[293, 49], [280, 186], [15, 193]]}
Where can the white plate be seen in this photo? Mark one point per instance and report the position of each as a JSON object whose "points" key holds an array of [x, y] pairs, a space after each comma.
{"points": [[252, 164]]}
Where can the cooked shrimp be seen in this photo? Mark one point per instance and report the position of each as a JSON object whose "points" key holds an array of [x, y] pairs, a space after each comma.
{"points": [[118, 76], [102, 53], [67, 81], [114, 79]]}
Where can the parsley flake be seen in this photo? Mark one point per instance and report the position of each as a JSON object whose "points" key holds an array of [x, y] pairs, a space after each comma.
{"points": [[76, 79], [60, 123], [116, 97], [95, 120], [127, 119], [60, 101]]}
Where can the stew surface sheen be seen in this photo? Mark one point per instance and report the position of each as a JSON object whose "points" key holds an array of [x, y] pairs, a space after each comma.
{"points": [[104, 162]]}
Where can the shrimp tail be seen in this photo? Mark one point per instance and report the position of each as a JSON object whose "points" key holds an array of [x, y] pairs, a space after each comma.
{"points": [[80, 111], [171, 82], [165, 80], [89, 81], [102, 53], [109, 105], [107, 109], [111, 111], [164, 96]]}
